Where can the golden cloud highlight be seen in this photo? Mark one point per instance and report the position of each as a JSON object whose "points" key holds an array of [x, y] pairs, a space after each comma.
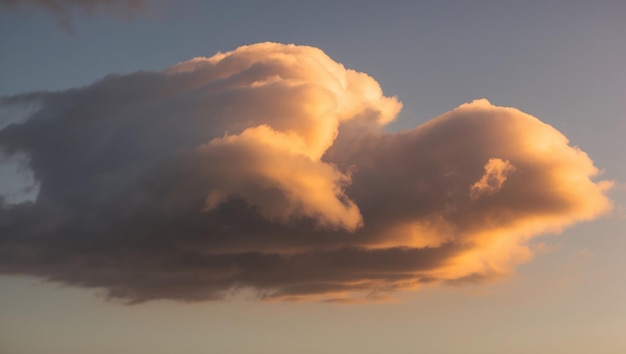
{"points": [[496, 172]]}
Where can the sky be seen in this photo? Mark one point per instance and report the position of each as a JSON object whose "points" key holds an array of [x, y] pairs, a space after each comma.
{"points": [[312, 177]]}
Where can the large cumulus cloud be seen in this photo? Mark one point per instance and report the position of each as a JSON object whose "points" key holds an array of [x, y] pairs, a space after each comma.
{"points": [[268, 168]]}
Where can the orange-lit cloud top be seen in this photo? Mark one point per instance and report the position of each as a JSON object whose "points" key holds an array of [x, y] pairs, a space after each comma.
{"points": [[268, 167]]}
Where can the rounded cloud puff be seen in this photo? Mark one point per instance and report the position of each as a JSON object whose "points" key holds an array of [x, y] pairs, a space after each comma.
{"points": [[268, 167]]}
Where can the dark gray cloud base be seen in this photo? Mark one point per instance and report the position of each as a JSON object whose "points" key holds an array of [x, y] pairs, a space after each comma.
{"points": [[268, 168]]}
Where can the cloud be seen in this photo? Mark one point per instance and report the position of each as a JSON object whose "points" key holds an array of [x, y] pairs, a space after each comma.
{"points": [[63, 9], [269, 168]]}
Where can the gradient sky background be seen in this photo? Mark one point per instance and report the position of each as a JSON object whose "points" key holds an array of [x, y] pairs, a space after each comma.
{"points": [[561, 61]]}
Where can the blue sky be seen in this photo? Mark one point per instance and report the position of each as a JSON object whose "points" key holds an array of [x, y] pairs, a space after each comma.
{"points": [[560, 61]]}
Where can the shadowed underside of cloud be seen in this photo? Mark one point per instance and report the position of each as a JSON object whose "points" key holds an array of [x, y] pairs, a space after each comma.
{"points": [[268, 168]]}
